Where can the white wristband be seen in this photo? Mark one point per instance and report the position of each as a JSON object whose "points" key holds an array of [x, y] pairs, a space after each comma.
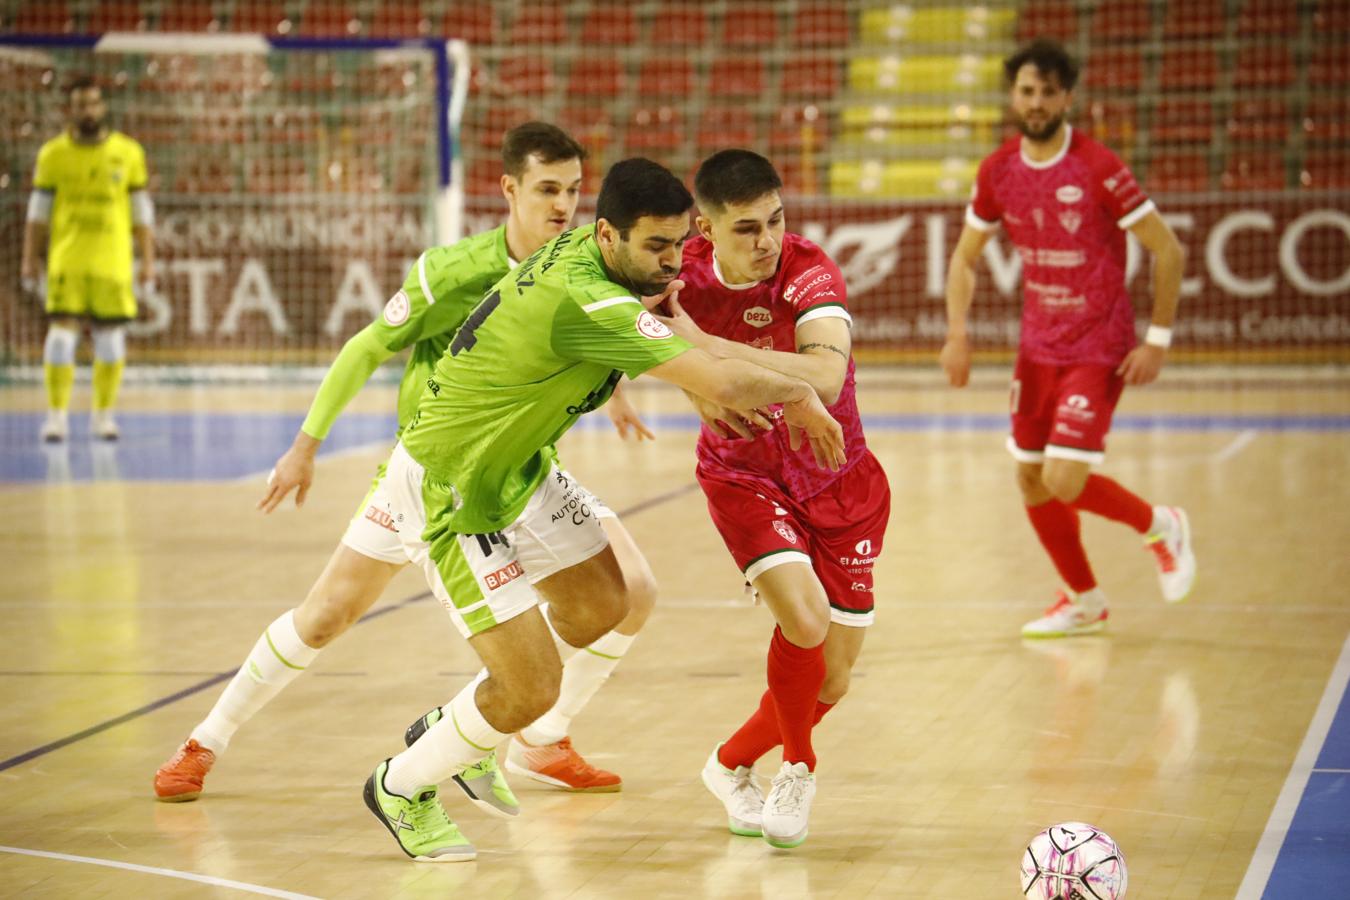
{"points": [[1158, 336]]}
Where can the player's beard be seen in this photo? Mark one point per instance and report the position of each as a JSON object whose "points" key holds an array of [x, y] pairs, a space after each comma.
{"points": [[1042, 133], [644, 283], [89, 129]]}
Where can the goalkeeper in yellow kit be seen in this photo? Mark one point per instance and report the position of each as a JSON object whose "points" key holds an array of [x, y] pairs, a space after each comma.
{"points": [[89, 195]]}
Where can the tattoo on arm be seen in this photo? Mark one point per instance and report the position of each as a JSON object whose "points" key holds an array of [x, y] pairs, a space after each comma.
{"points": [[804, 347]]}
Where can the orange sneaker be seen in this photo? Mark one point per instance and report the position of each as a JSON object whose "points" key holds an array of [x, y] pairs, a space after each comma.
{"points": [[560, 765], [180, 778]]}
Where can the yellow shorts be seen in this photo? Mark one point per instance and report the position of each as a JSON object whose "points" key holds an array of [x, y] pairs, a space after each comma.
{"points": [[87, 294]]}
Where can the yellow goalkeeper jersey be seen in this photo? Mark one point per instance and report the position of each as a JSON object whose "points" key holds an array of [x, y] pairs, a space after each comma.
{"points": [[91, 187]]}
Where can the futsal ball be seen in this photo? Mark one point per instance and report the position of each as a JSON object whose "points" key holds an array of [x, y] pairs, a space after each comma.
{"points": [[1073, 861]]}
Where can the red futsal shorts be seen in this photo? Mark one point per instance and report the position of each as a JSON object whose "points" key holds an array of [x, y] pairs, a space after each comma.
{"points": [[1062, 411], [838, 532]]}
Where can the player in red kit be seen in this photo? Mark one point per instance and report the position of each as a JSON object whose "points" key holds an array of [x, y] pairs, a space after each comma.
{"points": [[805, 537], [1065, 201]]}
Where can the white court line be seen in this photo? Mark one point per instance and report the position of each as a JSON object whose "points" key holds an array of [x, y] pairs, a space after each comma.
{"points": [[167, 873], [1277, 828], [1236, 445], [325, 457]]}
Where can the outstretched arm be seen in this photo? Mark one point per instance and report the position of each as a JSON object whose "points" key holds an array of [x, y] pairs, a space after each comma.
{"points": [[357, 361]]}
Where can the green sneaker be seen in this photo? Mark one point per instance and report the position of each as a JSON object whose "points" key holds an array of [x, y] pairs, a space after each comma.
{"points": [[483, 782], [420, 826]]}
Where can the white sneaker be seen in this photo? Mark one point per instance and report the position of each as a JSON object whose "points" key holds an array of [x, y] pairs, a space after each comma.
{"points": [[788, 806], [1067, 616], [103, 425], [57, 426], [1172, 550], [739, 794]]}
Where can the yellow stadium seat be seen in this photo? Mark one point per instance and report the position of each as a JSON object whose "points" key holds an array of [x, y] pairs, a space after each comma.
{"points": [[925, 74], [920, 125], [947, 24], [902, 179]]}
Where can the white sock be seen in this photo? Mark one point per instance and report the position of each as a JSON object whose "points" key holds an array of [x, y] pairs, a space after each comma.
{"points": [[1162, 522], [583, 674], [459, 739], [274, 662], [1094, 599]]}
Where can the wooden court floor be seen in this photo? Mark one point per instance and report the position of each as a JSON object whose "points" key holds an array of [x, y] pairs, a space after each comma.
{"points": [[1174, 731]]}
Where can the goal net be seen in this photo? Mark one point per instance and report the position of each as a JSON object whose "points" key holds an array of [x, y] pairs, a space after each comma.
{"points": [[294, 180]]}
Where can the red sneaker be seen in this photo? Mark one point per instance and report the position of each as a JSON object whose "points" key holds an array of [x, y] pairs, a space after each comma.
{"points": [[560, 765], [180, 778]]}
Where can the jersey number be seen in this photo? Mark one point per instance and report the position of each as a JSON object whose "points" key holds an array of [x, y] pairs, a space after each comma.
{"points": [[464, 339]]}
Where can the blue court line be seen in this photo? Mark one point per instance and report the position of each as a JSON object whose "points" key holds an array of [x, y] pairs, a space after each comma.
{"points": [[1305, 849], [202, 685]]}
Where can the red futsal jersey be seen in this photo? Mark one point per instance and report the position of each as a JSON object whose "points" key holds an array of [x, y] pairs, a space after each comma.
{"points": [[765, 314], [1066, 217]]}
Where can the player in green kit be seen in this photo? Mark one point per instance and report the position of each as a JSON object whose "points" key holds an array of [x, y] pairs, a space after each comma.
{"points": [[541, 184], [476, 495]]}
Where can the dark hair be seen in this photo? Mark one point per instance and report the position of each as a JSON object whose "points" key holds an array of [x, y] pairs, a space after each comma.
{"points": [[638, 187], [548, 142], [734, 176], [81, 83], [1049, 58]]}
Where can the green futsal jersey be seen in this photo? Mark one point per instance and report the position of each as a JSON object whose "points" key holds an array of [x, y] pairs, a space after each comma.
{"points": [[546, 345], [440, 290]]}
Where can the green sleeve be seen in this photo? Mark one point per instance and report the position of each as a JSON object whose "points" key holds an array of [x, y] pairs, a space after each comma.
{"points": [[357, 361], [615, 332]]}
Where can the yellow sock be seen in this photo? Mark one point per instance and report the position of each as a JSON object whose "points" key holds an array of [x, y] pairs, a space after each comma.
{"points": [[107, 379], [59, 380]]}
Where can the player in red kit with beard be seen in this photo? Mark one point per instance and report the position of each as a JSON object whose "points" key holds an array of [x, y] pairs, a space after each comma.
{"points": [[1065, 201], [804, 536]]}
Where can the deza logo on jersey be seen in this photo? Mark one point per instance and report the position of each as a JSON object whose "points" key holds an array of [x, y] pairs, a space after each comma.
{"points": [[1069, 193], [757, 316]]}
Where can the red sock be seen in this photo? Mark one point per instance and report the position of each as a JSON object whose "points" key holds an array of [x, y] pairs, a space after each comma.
{"points": [[1113, 501], [759, 734], [1057, 527], [795, 676]]}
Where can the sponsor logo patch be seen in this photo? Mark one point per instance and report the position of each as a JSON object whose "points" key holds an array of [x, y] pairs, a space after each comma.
{"points": [[503, 576], [1071, 221], [1069, 193], [864, 548], [380, 518], [397, 310], [650, 327], [757, 316], [785, 530]]}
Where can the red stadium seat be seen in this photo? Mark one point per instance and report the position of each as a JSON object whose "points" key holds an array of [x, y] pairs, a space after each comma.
{"points": [[1179, 173], [1326, 169], [680, 23], [539, 23], [1188, 68], [1056, 19], [1263, 120], [1122, 20], [1330, 66], [329, 19], [668, 76], [591, 124], [188, 15], [750, 25], [204, 175], [1115, 69], [1182, 121], [115, 16], [483, 177], [737, 76], [1327, 120], [1114, 122], [263, 18], [722, 127], [1264, 66], [475, 23], [492, 120], [525, 74], [810, 77], [820, 25], [279, 175], [596, 76], [655, 128], [1194, 19], [399, 20], [1254, 172], [796, 127], [609, 24], [1269, 18], [1332, 17], [44, 18]]}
